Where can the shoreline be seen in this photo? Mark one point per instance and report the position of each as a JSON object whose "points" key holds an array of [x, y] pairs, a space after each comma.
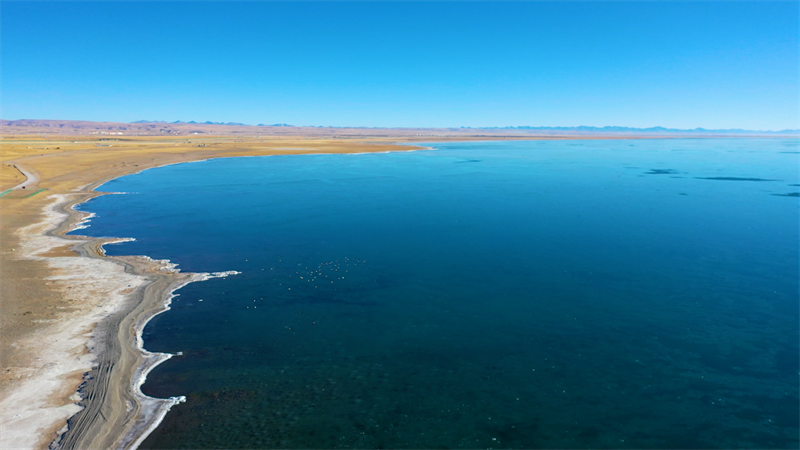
{"points": [[84, 429], [109, 409], [78, 344]]}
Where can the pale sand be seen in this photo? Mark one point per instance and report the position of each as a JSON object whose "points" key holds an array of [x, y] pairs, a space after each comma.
{"points": [[101, 287]]}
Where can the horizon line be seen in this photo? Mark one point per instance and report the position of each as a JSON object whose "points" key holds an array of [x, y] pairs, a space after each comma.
{"points": [[657, 128]]}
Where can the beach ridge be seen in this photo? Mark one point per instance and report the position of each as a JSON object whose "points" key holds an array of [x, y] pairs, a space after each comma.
{"points": [[109, 410]]}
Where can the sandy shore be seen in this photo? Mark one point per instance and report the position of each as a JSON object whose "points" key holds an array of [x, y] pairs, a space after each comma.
{"points": [[112, 292], [123, 293]]}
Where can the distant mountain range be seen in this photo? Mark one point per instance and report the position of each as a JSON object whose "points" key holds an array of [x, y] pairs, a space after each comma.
{"points": [[578, 129], [642, 130], [213, 123], [199, 123], [180, 128]]}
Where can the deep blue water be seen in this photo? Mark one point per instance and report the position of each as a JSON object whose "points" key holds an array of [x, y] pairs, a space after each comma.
{"points": [[556, 294]]}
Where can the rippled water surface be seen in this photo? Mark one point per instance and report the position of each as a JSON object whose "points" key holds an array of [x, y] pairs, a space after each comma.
{"points": [[558, 294]]}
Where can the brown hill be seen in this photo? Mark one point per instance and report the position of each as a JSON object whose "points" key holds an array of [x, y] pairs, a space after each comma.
{"points": [[78, 127]]}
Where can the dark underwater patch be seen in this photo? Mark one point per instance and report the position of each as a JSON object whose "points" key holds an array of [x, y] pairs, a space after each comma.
{"points": [[734, 179], [794, 153], [661, 172], [469, 161], [790, 194]]}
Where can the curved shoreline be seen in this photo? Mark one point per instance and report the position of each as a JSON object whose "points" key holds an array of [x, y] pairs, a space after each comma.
{"points": [[105, 290], [122, 362], [114, 412], [97, 356], [94, 363], [93, 347]]}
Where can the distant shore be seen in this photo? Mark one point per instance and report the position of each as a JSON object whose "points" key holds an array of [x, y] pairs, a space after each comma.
{"points": [[178, 128], [72, 316]]}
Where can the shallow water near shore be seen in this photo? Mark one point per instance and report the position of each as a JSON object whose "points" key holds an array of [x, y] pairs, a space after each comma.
{"points": [[553, 294]]}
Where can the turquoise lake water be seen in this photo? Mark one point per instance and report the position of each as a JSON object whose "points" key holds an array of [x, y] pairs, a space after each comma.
{"points": [[550, 294]]}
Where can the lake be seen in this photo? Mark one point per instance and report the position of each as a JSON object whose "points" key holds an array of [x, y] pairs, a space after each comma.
{"points": [[552, 294]]}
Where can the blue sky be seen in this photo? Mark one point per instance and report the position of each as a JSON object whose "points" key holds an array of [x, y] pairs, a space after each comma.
{"points": [[673, 64]]}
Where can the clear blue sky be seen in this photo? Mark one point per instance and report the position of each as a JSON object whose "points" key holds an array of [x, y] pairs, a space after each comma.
{"points": [[673, 64]]}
